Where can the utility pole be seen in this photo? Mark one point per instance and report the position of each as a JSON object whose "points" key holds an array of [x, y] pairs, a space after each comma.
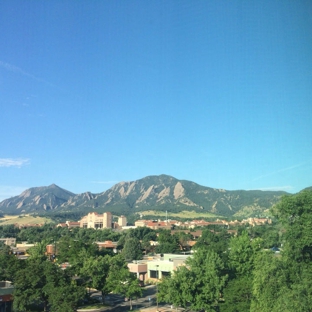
{"points": [[157, 287]]}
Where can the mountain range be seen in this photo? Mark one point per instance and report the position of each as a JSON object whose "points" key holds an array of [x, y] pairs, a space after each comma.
{"points": [[158, 193]]}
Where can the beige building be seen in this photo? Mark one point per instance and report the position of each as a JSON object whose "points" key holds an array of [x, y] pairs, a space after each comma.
{"points": [[94, 220], [9, 241], [122, 221], [155, 268], [155, 225]]}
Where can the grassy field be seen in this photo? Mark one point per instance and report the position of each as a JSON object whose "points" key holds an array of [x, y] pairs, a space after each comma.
{"points": [[182, 214], [24, 219]]}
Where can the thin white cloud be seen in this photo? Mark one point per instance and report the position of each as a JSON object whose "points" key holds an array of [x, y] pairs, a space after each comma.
{"points": [[14, 162], [278, 171], [17, 70]]}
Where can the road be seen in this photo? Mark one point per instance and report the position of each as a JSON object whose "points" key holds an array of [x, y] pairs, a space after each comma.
{"points": [[147, 301]]}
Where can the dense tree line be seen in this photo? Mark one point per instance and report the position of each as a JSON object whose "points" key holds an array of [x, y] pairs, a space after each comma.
{"points": [[40, 282], [225, 273], [243, 274]]}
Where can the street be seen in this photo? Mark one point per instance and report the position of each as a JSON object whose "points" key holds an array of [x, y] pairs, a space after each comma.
{"points": [[146, 302]]}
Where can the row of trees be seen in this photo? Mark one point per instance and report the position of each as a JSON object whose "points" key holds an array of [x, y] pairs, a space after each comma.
{"points": [[242, 275], [43, 283], [225, 273]]}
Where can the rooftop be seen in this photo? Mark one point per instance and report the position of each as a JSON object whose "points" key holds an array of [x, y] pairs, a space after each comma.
{"points": [[6, 288]]}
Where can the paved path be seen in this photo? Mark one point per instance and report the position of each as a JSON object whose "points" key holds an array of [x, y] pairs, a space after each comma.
{"points": [[147, 303]]}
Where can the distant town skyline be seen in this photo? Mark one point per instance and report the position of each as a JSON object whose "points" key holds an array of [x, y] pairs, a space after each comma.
{"points": [[215, 92]]}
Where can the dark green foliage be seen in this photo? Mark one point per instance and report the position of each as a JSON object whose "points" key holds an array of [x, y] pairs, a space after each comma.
{"points": [[211, 240], [242, 254], [198, 284], [8, 231], [9, 265], [270, 284], [121, 280], [95, 271], [167, 243], [295, 214], [182, 239], [237, 295], [42, 282], [68, 249], [141, 232], [132, 249], [284, 283]]}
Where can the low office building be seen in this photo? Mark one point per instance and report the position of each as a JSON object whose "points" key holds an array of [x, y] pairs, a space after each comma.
{"points": [[139, 267], [155, 268], [164, 266]]}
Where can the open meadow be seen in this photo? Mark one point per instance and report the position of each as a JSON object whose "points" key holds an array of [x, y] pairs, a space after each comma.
{"points": [[23, 219], [182, 214]]}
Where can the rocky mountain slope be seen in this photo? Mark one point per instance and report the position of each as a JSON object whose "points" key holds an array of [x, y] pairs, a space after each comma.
{"points": [[150, 193], [36, 199]]}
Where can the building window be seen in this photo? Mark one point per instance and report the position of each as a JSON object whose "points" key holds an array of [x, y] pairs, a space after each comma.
{"points": [[164, 274], [153, 274]]}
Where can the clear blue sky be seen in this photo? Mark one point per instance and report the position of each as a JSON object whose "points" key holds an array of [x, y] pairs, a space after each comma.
{"points": [[97, 92]]}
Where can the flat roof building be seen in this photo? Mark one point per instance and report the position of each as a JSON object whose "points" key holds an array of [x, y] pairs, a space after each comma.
{"points": [[6, 296], [94, 220], [157, 267]]}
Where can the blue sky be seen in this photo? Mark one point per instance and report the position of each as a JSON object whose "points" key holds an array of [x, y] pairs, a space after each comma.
{"points": [[97, 92]]}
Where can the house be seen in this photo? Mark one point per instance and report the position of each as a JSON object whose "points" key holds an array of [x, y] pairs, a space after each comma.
{"points": [[108, 245], [154, 224]]}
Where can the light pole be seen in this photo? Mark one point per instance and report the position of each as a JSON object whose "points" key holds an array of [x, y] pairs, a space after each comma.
{"points": [[157, 286]]}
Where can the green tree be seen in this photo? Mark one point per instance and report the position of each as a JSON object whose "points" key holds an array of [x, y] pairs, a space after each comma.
{"points": [[175, 289], [182, 238], [270, 284], [237, 295], [38, 250], [295, 213], [167, 243], [95, 271], [243, 252], [68, 249], [121, 280], [132, 249], [42, 282], [198, 284], [64, 293], [9, 265], [286, 282]]}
